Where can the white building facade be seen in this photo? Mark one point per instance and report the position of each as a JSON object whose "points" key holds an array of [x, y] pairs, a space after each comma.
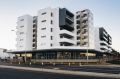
{"points": [[58, 33], [53, 28], [24, 32]]}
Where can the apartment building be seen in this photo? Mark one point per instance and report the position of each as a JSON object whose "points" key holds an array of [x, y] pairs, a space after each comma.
{"points": [[57, 33], [102, 40], [105, 40]]}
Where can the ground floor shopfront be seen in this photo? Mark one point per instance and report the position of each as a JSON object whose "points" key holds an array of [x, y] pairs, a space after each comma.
{"points": [[58, 55], [62, 55]]}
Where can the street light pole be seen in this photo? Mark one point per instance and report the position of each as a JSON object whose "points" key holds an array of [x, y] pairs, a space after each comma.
{"points": [[88, 45], [87, 56], [25, 56]]}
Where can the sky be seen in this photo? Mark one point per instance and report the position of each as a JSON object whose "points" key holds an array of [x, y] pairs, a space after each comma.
{"points": [[106, 14]]}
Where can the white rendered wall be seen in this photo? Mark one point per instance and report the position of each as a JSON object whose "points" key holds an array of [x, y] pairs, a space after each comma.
{"points": [[24, 41], [44, 36], [96, 39]]}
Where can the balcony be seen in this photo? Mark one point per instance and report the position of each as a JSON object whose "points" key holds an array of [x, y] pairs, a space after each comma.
{"points": [[84, 16], [84, 43], [78, 31], [34, 37], [85, 21], [35, 26], [104, 47], [69, 13], [78, 27], [78, 37], [84, 31], [34, 40], [34, 29], [34, 46], [67, 33], [67, 27], [67, 40], [66, 44], [84, 12], [104, 42], [85, 40], [84, 37], [84, 26], [34, 32], [70, 18]]}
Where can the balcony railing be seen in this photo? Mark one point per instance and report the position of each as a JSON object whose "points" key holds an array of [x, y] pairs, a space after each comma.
{"points": [[67, 40], [66, 32]]}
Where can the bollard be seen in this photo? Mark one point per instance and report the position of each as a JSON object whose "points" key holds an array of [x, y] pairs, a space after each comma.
{"points": [[19, 62], [79, 64], [42, 63], [30, 63], [69, 64], [53, 64]]}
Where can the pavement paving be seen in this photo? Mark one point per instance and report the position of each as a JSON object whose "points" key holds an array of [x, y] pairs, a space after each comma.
{"points": [[23, 74]]}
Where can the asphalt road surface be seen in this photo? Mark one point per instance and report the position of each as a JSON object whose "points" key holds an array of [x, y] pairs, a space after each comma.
{"points": [[98, 69], [22, 74]]}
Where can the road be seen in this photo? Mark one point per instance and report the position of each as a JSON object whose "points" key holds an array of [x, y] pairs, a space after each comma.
{"points": [[98, 69], [22, 74]]}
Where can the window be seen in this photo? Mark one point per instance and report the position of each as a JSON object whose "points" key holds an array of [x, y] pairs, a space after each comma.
{"points": [[61, 44], [43, 28], [61, 36], [51, 22], [43, 36], [21, 26], [22, 20], [34, 26], [21, 32], [44, 13], [34, 30], [33, 40], [78, 22], [33, 45], [43, 44], [51, 14], [21, 46], [51, 44], [51, 37], [77, 16], [43, 21], [51, 29], [21, 39]]}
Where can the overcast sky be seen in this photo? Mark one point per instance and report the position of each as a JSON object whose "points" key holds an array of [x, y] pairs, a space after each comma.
{"points": [[106, 14]]}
